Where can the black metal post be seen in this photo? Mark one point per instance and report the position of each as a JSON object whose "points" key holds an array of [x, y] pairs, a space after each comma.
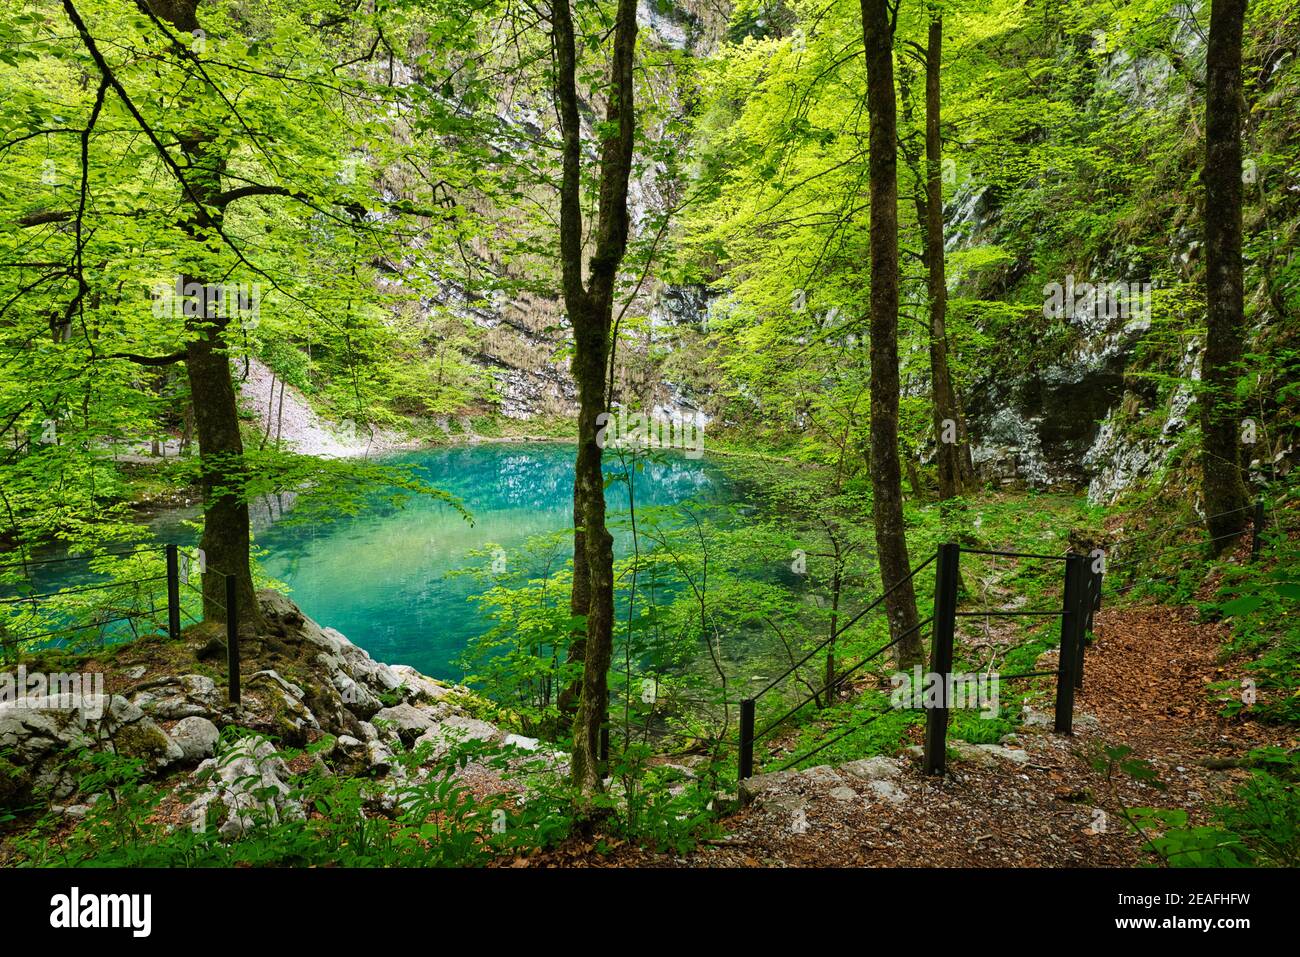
{"points": [[232, 639], [173, 592], [1257, 530], [946, 573], [1071, 638], [1091, 601], [1085, 623], [746, 738]]}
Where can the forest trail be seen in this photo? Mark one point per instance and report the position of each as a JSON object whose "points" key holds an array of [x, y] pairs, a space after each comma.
{"points": [[1037, 802]]}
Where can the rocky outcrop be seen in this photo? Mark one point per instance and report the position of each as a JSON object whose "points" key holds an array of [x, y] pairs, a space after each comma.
{"points": [[303, 685], [246, 787], [39, 738], [196, 737]]}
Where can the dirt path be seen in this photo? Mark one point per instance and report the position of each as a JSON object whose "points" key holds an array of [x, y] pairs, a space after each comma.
{"points": [[1039, 801]]}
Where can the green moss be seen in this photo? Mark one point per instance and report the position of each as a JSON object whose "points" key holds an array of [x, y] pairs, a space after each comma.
{"points": [[140, 740]]}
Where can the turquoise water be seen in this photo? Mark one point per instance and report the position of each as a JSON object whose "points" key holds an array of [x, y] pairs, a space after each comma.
{"points": [[386, 576], [383, 577]]}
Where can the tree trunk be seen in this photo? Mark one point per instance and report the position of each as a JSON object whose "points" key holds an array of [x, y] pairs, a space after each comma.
{"points": [[590, 308], [1220, 412], [226, 535], [886, 475], [579, 595], [837, 583], [953, 452], [593, 700]]}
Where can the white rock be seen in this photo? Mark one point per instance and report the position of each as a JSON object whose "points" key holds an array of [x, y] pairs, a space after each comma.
{"points": [[196, 737], [418, 686], [457, 729], [407, 720], [888, 791], [250, 784], [873, 769]]}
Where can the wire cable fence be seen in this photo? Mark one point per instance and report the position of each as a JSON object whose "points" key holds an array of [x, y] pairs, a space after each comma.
{"points": [[1080, 596], [748, 706], [113, 609], [35, 612]]}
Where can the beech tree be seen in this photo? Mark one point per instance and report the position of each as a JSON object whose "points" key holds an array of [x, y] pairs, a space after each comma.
{"points": [[203, 158], [952, 454], [589, 302], [956, 472], [1220, 408], [878, 21]]}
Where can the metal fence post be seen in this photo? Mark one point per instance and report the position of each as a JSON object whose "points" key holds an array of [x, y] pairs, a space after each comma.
{"points": [[232, 638], [1071, 639], [1085, 623], [1091, 601], [173, 592], [1255, 540], [945, 622], [746, 768]]}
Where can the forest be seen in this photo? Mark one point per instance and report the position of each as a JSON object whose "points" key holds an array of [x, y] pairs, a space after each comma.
{"points": [[633, 434]]}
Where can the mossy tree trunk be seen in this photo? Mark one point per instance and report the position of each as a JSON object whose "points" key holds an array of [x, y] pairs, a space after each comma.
{"points": [[956, 471], [590, 306], [1220, 410], [891, 541]]}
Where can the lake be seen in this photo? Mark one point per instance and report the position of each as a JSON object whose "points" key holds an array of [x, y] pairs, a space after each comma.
{"points": [[384, 577]]}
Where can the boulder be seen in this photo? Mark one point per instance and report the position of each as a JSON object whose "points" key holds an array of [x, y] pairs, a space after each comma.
{"points": [[822, 774], [887, 790], [245, 787], [355, 756], [196, 737], [972, 753], [358, 664], [289, 717], [355, 696], [408, 721], [418, 687], [186, 696], [445, 735], [752, 788], [873, 769], [40, 735]]}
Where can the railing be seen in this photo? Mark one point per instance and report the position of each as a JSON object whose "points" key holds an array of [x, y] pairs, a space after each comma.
{"points": [[748, 706], [1081, 594], [1084, 580], [134, 613], [176, 576], [1083, 585]]}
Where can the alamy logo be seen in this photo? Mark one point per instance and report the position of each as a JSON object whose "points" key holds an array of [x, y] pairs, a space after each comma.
{"points": [[1102, 300], [74, 910], [962, 690], [637, 430], [193, 300], [60, 691]]}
